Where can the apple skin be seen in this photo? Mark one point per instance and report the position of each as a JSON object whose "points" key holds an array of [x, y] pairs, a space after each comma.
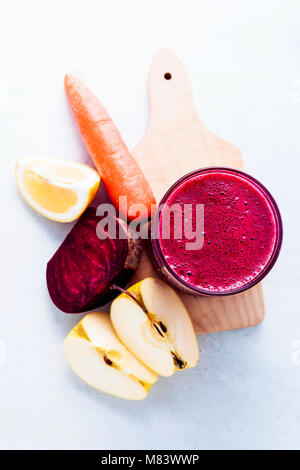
{"points": [[81, 272]]}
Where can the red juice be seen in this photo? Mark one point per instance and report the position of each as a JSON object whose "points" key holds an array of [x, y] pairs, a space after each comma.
{"points": [[241, 234]]}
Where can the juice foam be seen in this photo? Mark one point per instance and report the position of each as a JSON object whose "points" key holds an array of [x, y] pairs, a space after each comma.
{"points": [[239, 232]]}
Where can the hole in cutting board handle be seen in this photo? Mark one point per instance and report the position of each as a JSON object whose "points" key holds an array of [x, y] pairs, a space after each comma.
{"points": [[168, 76]]}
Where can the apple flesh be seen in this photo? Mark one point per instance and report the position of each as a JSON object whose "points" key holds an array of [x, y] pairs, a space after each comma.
{"points": [[97, 356], [81, 272], [154, 325]]}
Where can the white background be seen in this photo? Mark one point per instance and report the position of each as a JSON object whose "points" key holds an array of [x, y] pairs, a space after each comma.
{"points": [[243, 59]]}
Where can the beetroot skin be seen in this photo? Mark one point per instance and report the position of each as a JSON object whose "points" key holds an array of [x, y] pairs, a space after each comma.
{"points": [[80, 273]]}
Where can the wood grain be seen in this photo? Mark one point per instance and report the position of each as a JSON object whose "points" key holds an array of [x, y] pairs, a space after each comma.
{"points": [[175, 143]]}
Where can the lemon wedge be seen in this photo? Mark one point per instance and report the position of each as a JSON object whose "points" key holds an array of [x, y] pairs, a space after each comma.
{"points": [[57, 189]]}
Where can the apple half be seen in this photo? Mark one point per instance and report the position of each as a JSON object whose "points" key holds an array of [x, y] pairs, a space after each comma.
{"points": [[153, 323], [97, 356]]}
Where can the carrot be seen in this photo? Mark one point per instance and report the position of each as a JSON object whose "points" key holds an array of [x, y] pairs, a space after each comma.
{"points": [[121, 174]]}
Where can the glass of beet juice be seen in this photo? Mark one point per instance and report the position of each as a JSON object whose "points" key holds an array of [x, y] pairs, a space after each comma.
{"points": [[242, 232]]}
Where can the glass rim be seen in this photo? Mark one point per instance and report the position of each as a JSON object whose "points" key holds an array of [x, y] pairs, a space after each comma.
{"points": [[277, 245]]}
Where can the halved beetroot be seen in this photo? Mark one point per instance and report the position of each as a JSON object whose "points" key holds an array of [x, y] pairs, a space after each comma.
{"points": [[81, 272]]}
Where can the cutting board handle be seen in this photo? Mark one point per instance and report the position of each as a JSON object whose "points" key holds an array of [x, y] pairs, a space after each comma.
{"points": [[170, 95]]}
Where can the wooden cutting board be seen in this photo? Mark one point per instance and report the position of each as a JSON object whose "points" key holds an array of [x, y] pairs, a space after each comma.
{"points": [[175, 143]]}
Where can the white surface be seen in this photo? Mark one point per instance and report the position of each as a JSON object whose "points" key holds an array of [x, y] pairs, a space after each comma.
{"points": [[243, 60]]}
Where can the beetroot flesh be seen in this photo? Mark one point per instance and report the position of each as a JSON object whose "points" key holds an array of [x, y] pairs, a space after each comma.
{"points": [[80, 273]]}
